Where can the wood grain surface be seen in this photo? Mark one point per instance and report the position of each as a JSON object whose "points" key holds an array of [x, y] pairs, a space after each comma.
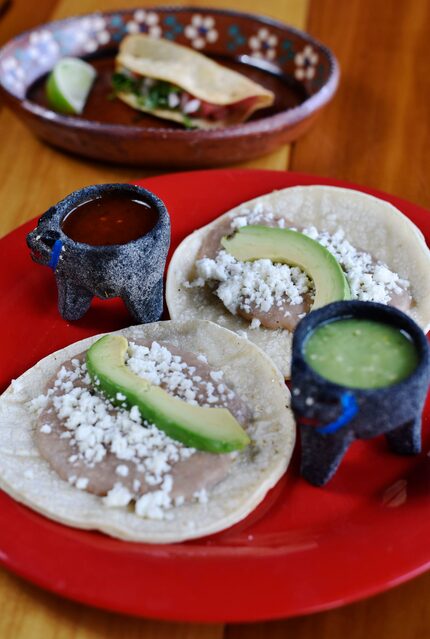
{"points": [[375, 133]]}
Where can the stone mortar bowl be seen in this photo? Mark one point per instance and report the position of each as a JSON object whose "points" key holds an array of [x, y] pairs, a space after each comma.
{"points": [[358, 413], [132, 271]]}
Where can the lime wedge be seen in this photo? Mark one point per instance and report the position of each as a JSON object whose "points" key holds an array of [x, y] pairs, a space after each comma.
{"points": [[69, 84]]}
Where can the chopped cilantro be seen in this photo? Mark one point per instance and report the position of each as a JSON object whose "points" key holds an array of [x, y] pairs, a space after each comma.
{"points": [[150, 97], [187, 122], [122, 83], [159, 93]]}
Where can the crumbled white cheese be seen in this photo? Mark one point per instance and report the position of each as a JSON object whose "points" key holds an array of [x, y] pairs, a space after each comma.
{"points": [[262, 284], [95, 428], [159, 366], [259, 284], [40, 402], [217, 375], [153, 505], [46, 429], [82, 483], [368, 280], [122, 470], [199, 281], [255, 323], [256, 216], [239, 221], [117, 497]]}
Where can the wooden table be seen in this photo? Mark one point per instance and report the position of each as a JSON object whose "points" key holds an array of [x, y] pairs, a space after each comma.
{"points": [[375, 133]]}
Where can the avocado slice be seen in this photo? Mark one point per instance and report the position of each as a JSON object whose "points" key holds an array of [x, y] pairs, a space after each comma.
{"points": [[257, 242], [211, 429]]}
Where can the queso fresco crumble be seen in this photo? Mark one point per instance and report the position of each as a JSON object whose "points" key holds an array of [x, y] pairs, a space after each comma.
{"points": [[96, 430], [262, 284]]}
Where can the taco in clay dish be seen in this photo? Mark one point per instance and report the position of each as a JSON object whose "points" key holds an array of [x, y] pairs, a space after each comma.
{"points": [[77, 444], [177, 83], [259, 268]]}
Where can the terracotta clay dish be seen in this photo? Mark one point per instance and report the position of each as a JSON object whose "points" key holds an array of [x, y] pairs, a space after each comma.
{"points": [[302, 73]]}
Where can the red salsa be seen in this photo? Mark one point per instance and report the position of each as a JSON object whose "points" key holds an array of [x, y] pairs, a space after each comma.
{"points": [[115, 218]]}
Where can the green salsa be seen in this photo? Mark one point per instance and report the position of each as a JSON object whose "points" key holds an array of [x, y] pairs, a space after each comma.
{"points": [[361, 353]]}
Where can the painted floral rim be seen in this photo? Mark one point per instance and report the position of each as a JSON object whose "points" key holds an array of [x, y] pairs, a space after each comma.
{"points": [[33, 53]]}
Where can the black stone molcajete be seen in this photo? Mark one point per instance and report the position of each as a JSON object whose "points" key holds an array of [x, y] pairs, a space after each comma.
{"points": [[357, 413], [132, 271]]}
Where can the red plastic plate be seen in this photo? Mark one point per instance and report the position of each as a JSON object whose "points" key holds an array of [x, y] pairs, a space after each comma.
{"points": [[304, 549]]}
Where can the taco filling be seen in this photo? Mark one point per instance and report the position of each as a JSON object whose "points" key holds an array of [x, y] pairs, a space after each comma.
{"points": [[276, 295], [169, 101], [374, 253], [113, 453], [85, 461], [177, 83]]}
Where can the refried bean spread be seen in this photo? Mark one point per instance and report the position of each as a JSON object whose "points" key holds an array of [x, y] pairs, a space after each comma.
{"points": [[112, 452], [278, 295]]}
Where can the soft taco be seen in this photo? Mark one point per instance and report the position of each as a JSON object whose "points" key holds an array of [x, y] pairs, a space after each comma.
{"points": [[180, 84], [381, 253], [68, 453]]}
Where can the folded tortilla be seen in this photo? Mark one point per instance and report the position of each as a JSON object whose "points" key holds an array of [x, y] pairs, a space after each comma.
{"points": [[370, 224], [194, 73], [28, 478]]}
